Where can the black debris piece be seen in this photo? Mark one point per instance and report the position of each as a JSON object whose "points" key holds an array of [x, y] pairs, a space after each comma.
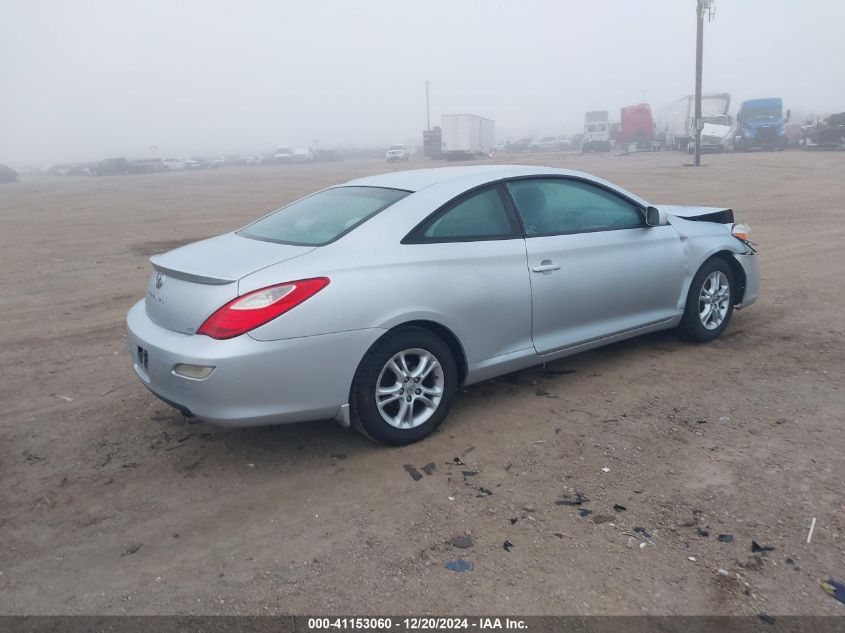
{"points": [[583, 512], [725, 538], [483, 492], [579, 499], [457, 461], [514, 520], [548, 373], [469, 473], [619, 507], [429, 468], [765, 617], [756, 548], [557, 431], [463, 541], [558, 534], [703, 532], [602, 518], [507, 545], [132, 549], [466, 451], [640, 530], [413, 472]]}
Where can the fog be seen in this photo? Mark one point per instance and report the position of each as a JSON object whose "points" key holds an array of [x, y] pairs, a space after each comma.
{"points": [[83, 80]]}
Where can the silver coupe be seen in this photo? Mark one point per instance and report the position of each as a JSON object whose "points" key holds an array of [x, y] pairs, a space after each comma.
{"points": [[371, 302]]}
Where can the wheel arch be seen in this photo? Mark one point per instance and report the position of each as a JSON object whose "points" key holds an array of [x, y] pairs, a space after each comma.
{"points": [[737, 270], [448, 336]]}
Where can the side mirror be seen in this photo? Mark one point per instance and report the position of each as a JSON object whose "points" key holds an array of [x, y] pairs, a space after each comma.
{"points": [[655, 217]]}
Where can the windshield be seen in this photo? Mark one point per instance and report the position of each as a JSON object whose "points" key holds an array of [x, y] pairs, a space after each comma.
{"points": [[322, 217], [717, 119], [763, 113], [394, 147]]}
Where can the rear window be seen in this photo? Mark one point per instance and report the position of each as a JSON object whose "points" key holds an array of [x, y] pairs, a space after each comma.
{"points": [[323, 217]]}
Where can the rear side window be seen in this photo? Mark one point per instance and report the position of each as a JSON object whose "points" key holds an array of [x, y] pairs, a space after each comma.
{"points": [[481, 215], [554, 206], [324, 216]]}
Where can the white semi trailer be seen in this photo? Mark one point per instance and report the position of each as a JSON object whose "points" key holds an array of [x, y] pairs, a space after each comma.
{"points": [[466, 136], [676, 121]]}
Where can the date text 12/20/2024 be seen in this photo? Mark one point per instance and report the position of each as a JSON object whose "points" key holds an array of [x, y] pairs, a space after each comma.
{"points": [[416, 624]]}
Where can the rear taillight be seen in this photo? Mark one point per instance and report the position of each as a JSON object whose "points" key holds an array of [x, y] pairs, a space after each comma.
{"points": [[256, 308]]}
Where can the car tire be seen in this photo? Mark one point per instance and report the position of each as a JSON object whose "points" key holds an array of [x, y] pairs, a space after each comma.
{"points": [[435, 383], [710, 302]]}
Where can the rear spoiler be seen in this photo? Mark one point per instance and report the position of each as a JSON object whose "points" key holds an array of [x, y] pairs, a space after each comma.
{"points": [[192, 277]]}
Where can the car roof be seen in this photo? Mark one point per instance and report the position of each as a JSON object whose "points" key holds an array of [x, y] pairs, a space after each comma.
{"points": [[416, 179]]}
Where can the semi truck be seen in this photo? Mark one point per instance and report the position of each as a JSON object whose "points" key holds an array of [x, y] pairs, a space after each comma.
{"points": [[760, 124], [467, 136], [676, 122], [596, 132], [637, 127]]}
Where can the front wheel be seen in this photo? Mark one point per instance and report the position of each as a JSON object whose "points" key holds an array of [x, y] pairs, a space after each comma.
{"points": [[404, 386], [709, 302]]}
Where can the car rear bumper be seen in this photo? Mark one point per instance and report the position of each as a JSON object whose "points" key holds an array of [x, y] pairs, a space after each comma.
{"points": [[752, 278], [253, 382]]}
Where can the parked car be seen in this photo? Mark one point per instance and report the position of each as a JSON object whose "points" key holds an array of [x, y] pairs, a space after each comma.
{"points": [[373, 301], [397, 153], [111, 167], [7, 174], [174, 164]]}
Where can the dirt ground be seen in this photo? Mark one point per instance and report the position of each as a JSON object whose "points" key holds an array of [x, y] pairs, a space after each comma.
{"points": [[112, 503]]}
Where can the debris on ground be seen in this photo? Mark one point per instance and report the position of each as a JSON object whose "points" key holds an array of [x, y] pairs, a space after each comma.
{"points": [[605, 469], [548, 373], [507, 545], [583, 512], [459, 565], [757, 548], [132, 549], [558, 534], [703, 532], [602, 518], [32, 457], [579, 499], [810, 533], [619, 507], [723, 572], [725, 538], [483, 492], [413, 472], [464, 541], [542, 392], [61, 397], [835, 589], [469, 473], [457, 461], [429, 468], [765, 617], [514, 520], [639, 530], [692, 558]]}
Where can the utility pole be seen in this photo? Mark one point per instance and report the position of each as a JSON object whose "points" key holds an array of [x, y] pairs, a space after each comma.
{"points": [[427, 109], [702, 6]]}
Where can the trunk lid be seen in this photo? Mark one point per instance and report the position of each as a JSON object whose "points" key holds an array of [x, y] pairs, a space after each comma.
{"points": [[191, 282]]}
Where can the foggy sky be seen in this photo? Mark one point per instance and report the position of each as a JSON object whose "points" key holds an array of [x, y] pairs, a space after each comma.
{"points": [[83, 80]]}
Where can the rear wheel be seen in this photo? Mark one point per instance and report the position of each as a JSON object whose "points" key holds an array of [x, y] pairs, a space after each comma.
{"points": [[404, 386], [709, 302]]}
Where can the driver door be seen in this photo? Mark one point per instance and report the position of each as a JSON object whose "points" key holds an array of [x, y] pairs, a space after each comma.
{"points": [[596, 268]]}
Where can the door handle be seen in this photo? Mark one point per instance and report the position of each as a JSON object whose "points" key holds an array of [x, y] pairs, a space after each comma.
{"points": [[546, 267]]}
